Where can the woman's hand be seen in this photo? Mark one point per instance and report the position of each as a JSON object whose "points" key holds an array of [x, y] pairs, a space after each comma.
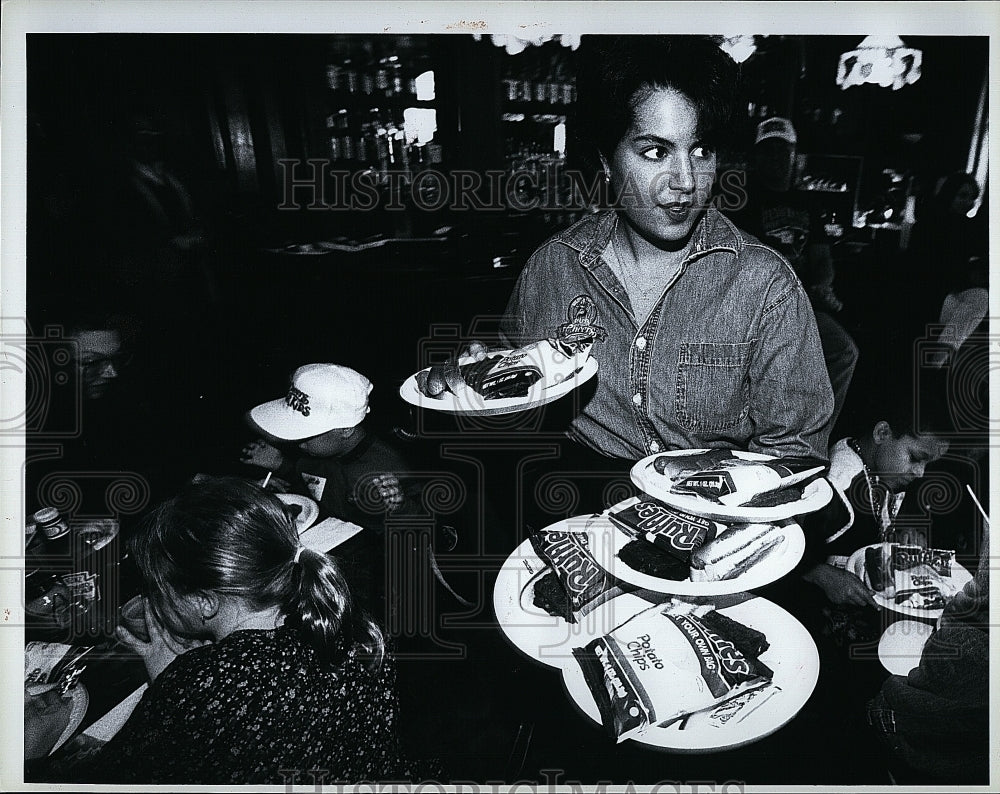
{"points": [[260, 453], [162, 647], [840, 586]]}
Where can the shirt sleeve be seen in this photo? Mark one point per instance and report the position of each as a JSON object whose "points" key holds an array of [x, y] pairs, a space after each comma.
{"points": [[791, 400], [524, 320]]}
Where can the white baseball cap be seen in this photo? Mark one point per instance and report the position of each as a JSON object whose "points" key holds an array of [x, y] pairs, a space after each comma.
{"points": [[321, 397], [776, 127]]}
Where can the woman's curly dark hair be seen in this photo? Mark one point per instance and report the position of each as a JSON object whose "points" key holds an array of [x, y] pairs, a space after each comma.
{"points": [[617, 72]]}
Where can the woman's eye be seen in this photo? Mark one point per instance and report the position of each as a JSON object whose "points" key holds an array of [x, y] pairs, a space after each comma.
{"points": [[655, 153], [702, 152]]}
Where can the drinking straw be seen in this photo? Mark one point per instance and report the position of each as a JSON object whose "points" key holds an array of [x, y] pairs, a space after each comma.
{"points": [[982, 512]]}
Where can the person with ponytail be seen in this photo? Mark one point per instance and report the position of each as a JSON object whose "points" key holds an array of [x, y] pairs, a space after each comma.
{"points": [[261, 667]]}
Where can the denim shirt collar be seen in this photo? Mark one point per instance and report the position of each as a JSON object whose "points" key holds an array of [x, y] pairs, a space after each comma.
{"points": [[591, 236]]}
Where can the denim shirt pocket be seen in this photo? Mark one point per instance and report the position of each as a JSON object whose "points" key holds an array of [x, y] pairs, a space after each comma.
{"points": [[712, 390]]}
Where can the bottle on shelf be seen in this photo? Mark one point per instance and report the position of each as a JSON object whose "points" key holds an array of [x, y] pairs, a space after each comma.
{"points": [[333, 147], [381, 142], [416, 156], [334, 74], [391, 131], [349, 77], [541, 84], [395, 76], [368, 74], [382, 79], [346, 146]]}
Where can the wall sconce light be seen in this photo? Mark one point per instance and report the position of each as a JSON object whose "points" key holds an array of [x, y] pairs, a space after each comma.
{"points": [[880, 60]]}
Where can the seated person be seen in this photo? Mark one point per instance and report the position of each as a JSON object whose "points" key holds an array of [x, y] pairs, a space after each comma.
{"points": [[785, 220], [353, 474], [935, 720], [259, 660], [870, 472], [86, 415], [111, 457]]}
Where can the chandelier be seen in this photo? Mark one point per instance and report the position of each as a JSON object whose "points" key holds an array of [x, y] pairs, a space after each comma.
{"points": [[515, 44], [880, 60], [739, 46]]}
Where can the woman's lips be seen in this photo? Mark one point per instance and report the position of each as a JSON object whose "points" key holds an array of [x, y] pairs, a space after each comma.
{"points": [[677, 212]]}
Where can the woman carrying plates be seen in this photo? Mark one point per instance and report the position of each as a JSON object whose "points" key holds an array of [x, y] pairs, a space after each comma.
{"points": [[710, 338]]}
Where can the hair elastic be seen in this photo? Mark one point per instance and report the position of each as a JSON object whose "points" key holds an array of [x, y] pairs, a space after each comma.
{"points": [[298, 553]]}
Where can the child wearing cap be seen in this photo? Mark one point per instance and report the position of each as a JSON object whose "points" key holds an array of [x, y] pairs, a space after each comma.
{"points": [[349, 471], [352, 473]]}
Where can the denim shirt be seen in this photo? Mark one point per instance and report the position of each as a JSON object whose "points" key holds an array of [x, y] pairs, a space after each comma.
{"points": [[729, 357]]}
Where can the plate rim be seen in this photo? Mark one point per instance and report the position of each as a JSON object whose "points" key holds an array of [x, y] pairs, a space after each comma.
{"points": [[736, 513], [795, 547], [510, 572], [307, 501], [409, 392], [857, 558], [883, 653], [809, 664]]}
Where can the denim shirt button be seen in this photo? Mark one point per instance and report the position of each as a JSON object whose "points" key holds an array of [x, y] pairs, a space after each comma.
{"points": [[654, 446], [641, 343], [637, 399]]}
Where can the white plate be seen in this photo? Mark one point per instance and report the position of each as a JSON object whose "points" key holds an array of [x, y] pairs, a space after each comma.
{"points": [[793, 658], [901, 644], [856, 565], [307, 515], [815, 495], [470, 403], [79, 709], [533, 631], [607, 540]]}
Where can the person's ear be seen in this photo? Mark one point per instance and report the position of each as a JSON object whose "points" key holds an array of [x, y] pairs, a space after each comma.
{"points": [[882, 432], [207, 604]]}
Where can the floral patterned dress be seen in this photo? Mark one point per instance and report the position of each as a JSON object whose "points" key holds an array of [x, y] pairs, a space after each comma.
{"points": [[260, 707]]}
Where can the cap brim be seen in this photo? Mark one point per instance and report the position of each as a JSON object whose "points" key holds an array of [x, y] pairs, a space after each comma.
{"points": [[276, 419], [779, 135]]}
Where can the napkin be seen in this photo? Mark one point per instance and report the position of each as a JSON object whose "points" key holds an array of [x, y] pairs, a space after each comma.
{"points": [[108, 725], [328, 534]]}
